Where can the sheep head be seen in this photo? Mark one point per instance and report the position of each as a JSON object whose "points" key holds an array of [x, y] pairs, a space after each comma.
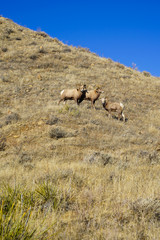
{"points": [[99, 89]]}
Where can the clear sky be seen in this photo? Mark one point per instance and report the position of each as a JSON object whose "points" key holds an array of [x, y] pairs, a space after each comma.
{"points": [[125, 31]]}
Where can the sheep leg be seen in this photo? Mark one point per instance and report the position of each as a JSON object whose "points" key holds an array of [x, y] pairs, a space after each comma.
{"points": [[92, 104], [76, 100], [119, 116], [109, 114], [81, 99], [124, 119], [60, 101]]}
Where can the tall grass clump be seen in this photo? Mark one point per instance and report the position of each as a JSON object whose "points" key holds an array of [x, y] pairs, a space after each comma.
{"points": [[15, 211], [47, 196], [17, 205], [13, 223]]}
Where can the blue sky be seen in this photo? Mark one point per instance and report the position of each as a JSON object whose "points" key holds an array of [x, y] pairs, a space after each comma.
{"points": [[125, 31]]}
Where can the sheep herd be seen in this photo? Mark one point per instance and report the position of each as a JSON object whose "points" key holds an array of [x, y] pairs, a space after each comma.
{"points": [[81, 93]]}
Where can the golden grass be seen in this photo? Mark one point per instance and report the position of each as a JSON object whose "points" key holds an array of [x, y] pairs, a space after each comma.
{"points": [[98, 202]]}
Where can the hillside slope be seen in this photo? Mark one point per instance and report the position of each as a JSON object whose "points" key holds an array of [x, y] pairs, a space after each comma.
{"points": [[40, 139]]}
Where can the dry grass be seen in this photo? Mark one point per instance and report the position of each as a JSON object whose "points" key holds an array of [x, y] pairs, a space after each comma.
{"points": [[97, 178]]}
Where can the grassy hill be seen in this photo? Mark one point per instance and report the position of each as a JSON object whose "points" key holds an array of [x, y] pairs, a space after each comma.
{"points": [[67, 171]]}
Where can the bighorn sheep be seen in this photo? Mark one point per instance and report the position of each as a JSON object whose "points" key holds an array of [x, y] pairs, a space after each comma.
{"points": [[73, 94], [113, 107], [93, 95]]}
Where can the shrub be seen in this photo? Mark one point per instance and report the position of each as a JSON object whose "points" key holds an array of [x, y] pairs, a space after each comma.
{"points": [[42, 50], [66, 50], [4, 49], [43, 34], [12, 118], [146, 74], [33, 43], [52, 120], [119, 65], [2, 144], [20, 29], [33, 57], [148, 208], [5, 78], [57, 133], [9, 31], [25, 158], [98, 158]]}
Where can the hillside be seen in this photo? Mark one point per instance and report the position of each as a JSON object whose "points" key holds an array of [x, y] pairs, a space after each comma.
{"points": [[97, 178]]}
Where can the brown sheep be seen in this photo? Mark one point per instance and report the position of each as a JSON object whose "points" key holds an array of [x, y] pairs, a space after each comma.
{"points": [[113, 107], [73, 94], [93, 96]]}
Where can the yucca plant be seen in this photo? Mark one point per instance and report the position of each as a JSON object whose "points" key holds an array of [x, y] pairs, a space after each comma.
{"points": [[16, 206], [14, 224], [18, 195], [47, 193]]}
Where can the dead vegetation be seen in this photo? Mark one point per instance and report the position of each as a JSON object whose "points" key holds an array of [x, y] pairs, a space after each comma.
{"points": [[81, 175]]}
